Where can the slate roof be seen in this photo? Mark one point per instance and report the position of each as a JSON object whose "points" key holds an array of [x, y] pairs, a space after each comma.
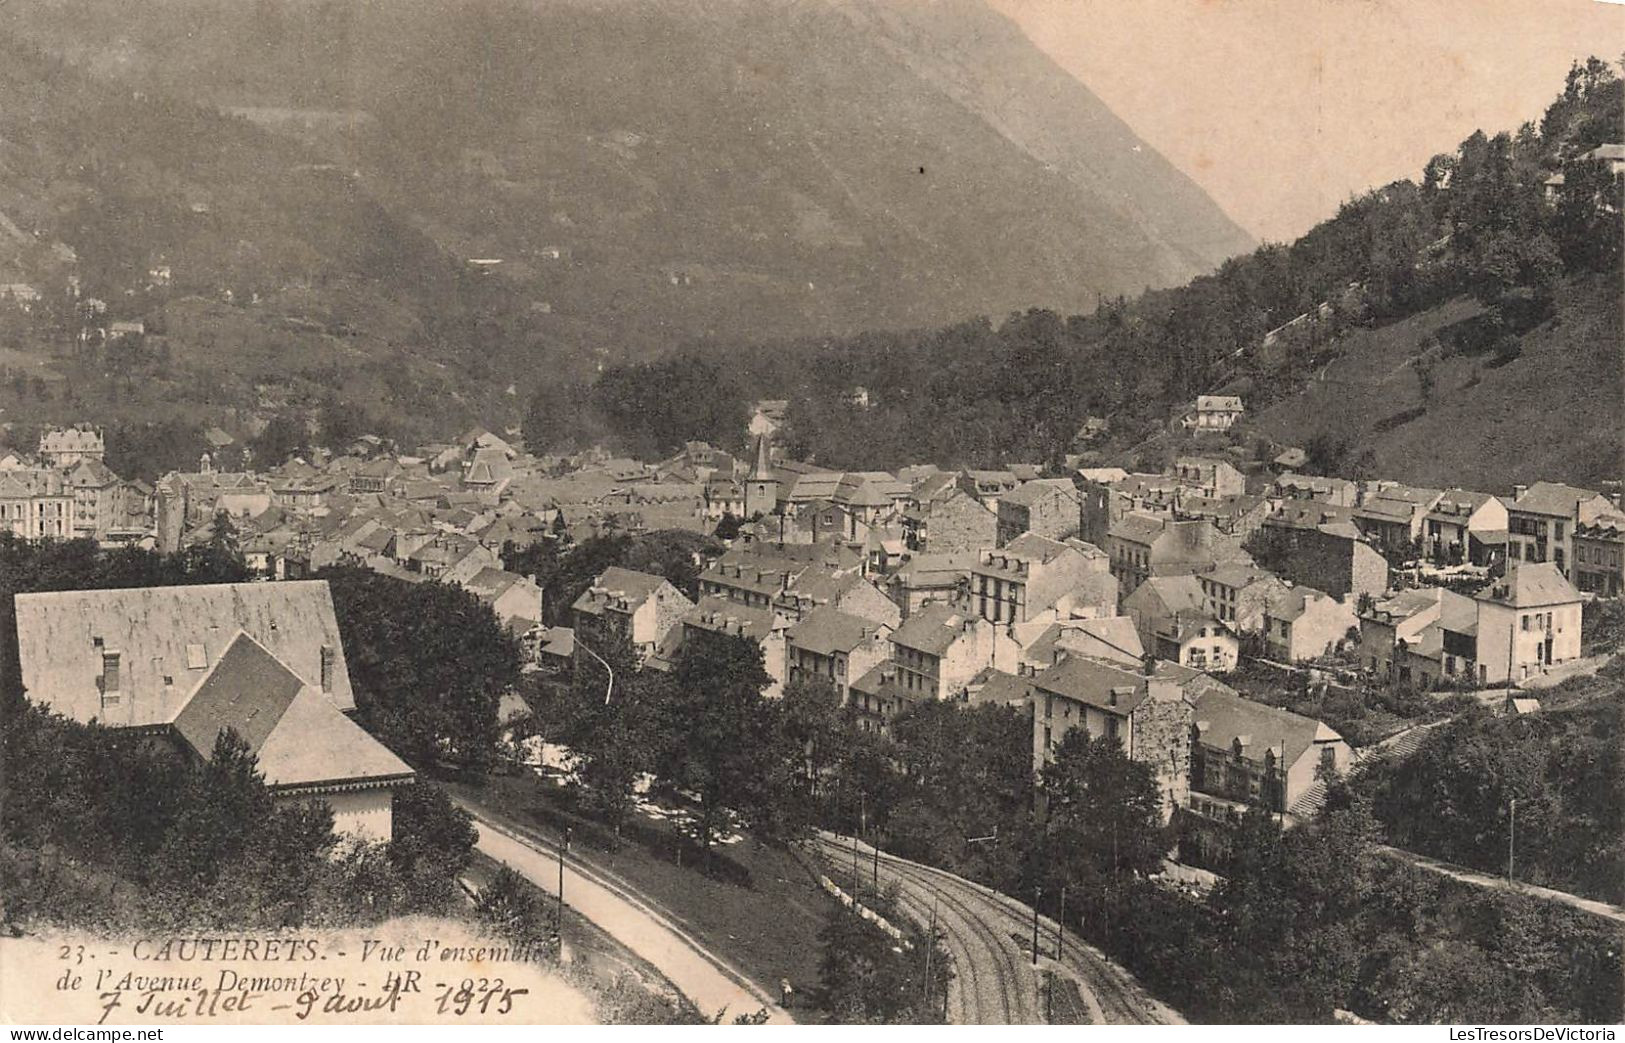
{"points": [[1105, 686], [616, 583], [1136, 528], [1456, 505], [721, 616], [248, 690], [932, 630], [828, 630], [1036, 491], [164, 631], [1223, 717], [1552, 498], [1179, 594], [1531, 585], [998, 688]]}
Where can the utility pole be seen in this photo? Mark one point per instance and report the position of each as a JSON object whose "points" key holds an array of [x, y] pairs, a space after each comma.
{"points": [[1038, 896], [857, 880], [1512, 835], [930, 946], [564, 845], [874, 842], [1060, 927]]}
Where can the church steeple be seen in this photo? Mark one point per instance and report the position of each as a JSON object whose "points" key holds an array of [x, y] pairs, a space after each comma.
{"points": [[761, 487], [762, 470]]}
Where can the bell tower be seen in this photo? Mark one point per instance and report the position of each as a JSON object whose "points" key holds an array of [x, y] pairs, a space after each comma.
{"points": [[761, 488]]}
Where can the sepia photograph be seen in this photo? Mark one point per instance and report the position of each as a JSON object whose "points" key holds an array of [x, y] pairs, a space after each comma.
{"points": [[810, 514]]}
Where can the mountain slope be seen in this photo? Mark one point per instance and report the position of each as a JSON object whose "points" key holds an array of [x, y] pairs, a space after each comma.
{"points": [[652, 173]]}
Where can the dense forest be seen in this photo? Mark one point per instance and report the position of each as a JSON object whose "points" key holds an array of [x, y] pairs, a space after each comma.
{"points": [[1477, 223]]}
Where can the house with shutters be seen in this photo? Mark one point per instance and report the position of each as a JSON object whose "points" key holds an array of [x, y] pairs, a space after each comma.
{"points": [[1208, 476], [836, 646], [1239, 594], [183, 664], [1141, 546], [1599, 556], [1046, 506], [1392, 515], [942, 518], [627, 605], [1149, 712], [925, 579], [1528, 622], [940, 648], [1245, 752], [1423, 637], [1033, 579], [1454, 530], [1541, 520], [1214, 413], [1303, 623], [66, 446]]}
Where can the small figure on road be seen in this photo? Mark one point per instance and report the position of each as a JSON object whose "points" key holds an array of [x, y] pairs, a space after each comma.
{"points": [[785, 992]]}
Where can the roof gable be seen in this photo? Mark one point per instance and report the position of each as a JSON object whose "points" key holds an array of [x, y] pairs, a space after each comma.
{"points": [[247, 690]]}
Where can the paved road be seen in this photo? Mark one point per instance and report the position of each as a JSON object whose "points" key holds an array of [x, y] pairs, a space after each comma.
{"points": [[705, 978], [1500, 883], [989, 936]]}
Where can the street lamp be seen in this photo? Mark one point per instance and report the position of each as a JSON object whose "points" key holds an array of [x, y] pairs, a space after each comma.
{"points": [[610, 670]]}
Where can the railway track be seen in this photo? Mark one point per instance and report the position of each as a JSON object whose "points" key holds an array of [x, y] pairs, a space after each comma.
{"points": [[993, 983], [983, 927]]}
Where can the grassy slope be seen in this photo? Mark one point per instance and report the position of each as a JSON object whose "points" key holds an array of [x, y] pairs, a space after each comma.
{"points": [[769, 930], [1554, 412]]}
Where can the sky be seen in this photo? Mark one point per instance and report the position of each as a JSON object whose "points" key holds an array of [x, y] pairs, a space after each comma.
{"points": [[1283, 109]]}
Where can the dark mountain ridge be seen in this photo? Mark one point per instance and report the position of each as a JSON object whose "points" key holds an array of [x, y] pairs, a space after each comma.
{"points": [[654, 173]]}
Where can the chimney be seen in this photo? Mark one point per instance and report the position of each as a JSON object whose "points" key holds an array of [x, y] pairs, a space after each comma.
{"points": [[1163, 690], [328, 661], [1518, 491]]}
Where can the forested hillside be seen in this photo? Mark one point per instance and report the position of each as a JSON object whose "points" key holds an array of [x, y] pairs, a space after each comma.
{"points": [[1465, 308]]}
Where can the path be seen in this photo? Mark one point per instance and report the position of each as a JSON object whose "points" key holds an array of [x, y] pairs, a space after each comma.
{"points": [[699, 974], [1500, 883]]}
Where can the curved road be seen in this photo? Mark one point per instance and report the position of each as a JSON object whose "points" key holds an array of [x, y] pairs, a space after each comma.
{"points": [[988, 934], [702, 976]]}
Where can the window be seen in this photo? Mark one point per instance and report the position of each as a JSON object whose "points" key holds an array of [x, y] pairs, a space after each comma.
{"points": [[196, 657], [110, 671]]}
